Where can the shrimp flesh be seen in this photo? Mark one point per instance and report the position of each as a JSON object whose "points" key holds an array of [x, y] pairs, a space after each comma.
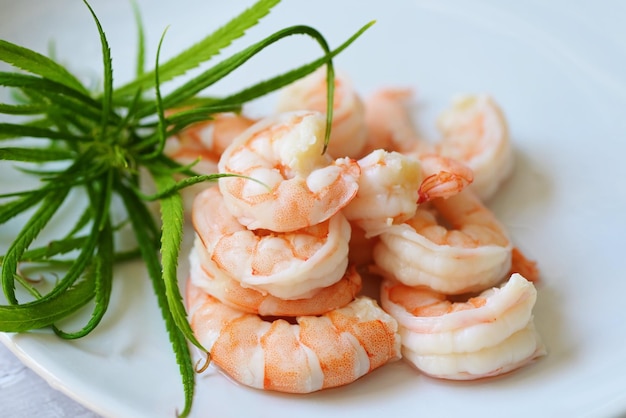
{"points": [[214, 281], [389, 123], [289, 184], [361, 247], [203, 143], [473, 253], [206, 140], [475, 132], [288, 265], [315, 353], [490, 334], [348, 132], [392, 184], [388, 191]]}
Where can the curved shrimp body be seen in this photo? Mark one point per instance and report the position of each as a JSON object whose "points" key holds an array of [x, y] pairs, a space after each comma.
{"points": [[290, 184], [390, 123], [393, 184], [288, 265], [388, 191], [472, 254], [316, 353], [475, 132], [487, 335], [206, 141], [348, 133], [202, 144], [214, 281]]}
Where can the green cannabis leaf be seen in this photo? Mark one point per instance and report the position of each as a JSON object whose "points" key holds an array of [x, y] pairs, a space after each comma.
{"points": [[99, 145]]}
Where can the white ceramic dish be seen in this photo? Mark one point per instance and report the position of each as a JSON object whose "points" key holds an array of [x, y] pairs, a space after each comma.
{"points": [[559, 71]]}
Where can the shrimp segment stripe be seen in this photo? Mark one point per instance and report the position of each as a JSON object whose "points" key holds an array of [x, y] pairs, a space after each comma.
{"points": [[316, 353], [472, 255], [301, 185], [268, 261], [515, 351], [488, 335], [208, 277]]}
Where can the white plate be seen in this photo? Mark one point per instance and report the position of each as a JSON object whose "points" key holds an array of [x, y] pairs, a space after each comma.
{"points": [[559, 71]]}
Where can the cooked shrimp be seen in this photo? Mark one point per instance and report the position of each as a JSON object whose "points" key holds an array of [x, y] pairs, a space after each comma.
{"points": [[288, 265], [440, 325], [211, 279], [443, 177], [392, 184], [318, 352], [203, 143], [206, 141], [390, 123], [475, 132], [487, 335], [361, 247], [388, 191], [296, 185], [472, 254], [516, 351], [348, 133]]}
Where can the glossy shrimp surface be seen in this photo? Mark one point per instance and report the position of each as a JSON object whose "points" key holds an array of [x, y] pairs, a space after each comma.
{"points": [[206, 141], [349, 131], [202, 144], [289, 265], [293, 239], [443, 177], [392, 185], [388, 191], [315, 353], [207, 276], [389, 122], [455, 245], [475, 132], [289, 184], [485, 335]]}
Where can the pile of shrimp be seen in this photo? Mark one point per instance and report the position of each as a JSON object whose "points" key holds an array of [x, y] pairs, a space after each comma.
{"points": [[284, 246]]}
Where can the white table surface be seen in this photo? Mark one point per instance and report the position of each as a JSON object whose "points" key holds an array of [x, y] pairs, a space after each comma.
{"points": [[24, 394]]}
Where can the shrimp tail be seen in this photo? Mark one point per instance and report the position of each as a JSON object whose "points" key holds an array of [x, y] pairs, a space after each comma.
{"points": [[524, 266], [442, 184]]}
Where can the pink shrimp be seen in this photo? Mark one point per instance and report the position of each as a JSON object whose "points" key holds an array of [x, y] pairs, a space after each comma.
{"points": [[390, 123], [388, 191], [203, 143], [489, 334], [524, 266], [206, 275], [393, 184], [206, 140], [474, 131], [456, 246], [348, 133], [289, 265], [315, 353], [443, 177], [296, 185], [361, 247]]}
